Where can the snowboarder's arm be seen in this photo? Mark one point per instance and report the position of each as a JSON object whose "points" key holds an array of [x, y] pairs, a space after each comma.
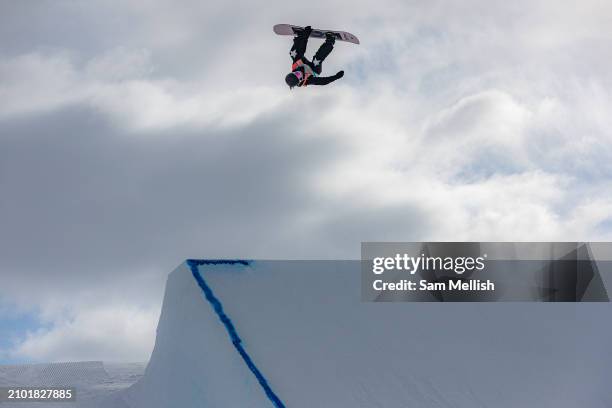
{"points": [[299, 44], [325, 80]]}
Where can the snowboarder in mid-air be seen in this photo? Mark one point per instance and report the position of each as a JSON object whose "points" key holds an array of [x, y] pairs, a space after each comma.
{"points": [[305, 72]]}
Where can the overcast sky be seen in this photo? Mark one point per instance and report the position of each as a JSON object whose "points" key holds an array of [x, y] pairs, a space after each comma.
{"points": [[135, 134]]}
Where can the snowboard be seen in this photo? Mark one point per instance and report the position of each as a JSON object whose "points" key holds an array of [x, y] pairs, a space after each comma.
{"points": [[288, 29]]}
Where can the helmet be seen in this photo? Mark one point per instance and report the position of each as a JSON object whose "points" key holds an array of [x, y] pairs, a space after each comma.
{"points": [[292, 80]]}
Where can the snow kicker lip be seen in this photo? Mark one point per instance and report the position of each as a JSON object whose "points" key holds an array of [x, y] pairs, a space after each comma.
{"points": [[227, 322]]}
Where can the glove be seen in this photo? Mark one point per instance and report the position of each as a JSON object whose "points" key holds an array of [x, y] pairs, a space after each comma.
{"points": [[307, 30], [340, 74]]}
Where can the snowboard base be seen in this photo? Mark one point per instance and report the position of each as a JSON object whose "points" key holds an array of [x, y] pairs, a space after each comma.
{"points": [[288, 29]]}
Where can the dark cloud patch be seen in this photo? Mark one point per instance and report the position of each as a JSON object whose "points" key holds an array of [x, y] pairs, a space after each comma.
{"points": [[342, 234], [81, 198]]}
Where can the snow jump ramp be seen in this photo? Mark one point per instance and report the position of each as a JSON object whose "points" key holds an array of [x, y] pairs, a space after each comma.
{"points": [[296, 334]]}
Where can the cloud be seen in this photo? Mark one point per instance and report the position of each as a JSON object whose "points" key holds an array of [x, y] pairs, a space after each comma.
{"points": [[115, 332], [135, 137], [32, 83], [120, 84]]}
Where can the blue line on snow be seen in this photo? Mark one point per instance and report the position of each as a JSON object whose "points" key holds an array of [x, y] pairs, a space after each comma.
{"points": [[227, 322]]}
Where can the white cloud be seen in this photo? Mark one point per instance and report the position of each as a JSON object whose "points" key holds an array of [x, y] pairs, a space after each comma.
{"points": [[120, 84], [113, 332]]}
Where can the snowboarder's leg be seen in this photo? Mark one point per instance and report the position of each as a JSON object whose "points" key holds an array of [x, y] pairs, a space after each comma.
{"points": [[300, 42], [324, 50]]}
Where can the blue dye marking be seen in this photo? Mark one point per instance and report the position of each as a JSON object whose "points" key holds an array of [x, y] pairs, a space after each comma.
{"points": [[198, 262], [229, 326]]}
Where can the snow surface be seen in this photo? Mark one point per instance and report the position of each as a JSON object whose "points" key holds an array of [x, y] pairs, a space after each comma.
{"points": [[317, 345], [97, 384]]}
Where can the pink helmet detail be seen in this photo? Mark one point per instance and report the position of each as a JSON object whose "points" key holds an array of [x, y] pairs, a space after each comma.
{"points": [[299, 75]]}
